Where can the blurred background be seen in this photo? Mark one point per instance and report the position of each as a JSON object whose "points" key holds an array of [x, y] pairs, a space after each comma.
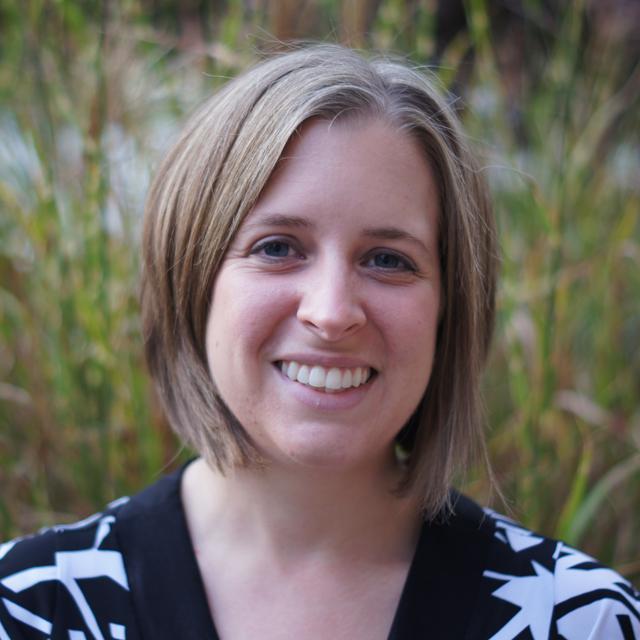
{"points": [[92, 92]]}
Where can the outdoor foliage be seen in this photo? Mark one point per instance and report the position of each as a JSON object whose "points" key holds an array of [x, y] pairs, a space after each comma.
{"points": [[90, 95]]}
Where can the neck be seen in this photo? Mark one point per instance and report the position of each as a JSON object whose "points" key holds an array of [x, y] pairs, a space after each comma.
{"points": [[294, 513]]}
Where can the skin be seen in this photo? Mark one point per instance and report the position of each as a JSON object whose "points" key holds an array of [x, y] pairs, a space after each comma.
{"points": [[337, 264]]}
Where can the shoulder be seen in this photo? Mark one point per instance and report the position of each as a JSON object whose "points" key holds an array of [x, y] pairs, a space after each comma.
{"points": [[61, 575], [547, 587]]}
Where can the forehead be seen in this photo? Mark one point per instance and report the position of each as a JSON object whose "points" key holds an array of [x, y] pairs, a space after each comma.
{"points": [[359, 166]]}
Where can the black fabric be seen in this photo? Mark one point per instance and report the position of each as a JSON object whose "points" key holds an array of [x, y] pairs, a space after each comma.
{"points": [[161, 564], [447, 569]]}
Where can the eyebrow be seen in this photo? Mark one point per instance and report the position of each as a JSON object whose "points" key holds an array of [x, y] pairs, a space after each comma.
{"points": [[393, 233], [280, 220]]}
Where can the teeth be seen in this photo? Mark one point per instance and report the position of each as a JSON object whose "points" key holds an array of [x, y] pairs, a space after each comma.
{"points": [[333, 379], [303, 374], [319, 377], [292, 370]]}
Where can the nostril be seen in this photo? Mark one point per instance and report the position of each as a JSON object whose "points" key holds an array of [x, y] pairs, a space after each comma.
{"points": [[332, 327], [331, 311]]}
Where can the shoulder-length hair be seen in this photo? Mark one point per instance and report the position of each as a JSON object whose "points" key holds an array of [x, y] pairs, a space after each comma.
{"points": [[211, 179]]}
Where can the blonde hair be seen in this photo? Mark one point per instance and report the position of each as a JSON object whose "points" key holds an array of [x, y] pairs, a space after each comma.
{"points": [[212, 177]]}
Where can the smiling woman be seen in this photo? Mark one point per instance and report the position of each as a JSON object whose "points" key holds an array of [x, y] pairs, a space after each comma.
{"points": [[345, 280], [318, 301], [224, 171]]}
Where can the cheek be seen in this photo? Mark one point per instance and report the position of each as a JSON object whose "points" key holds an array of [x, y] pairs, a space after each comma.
{"points": [[413, 322], [412, 340], [245, 314]]}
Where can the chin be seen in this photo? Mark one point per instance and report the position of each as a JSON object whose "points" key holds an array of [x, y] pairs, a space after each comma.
{"points": [[329, 453]]}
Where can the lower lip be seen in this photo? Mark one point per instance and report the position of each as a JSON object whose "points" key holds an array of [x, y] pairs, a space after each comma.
{"points": [[323, 401]]}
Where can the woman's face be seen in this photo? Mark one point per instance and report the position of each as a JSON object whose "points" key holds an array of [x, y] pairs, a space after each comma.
{"points": [[323, 323]]}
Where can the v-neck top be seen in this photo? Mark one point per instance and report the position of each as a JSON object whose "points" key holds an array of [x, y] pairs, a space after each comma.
{"points": [[130, 572]]}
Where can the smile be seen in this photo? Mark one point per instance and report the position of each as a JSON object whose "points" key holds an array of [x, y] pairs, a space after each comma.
{"points": [[329, 379]]}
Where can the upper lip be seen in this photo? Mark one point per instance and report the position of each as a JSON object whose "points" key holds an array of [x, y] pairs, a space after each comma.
{"points": [[324, 360]]}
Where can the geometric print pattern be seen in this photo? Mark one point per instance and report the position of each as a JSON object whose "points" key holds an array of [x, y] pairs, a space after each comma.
{"points": [[66, 571], [559, 592]]}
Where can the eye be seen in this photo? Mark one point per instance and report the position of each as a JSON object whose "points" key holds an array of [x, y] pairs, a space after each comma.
{"points": [[275, 249], [387, 261]]}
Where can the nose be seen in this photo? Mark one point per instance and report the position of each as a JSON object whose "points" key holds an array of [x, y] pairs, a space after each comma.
{"points": [[330, 304]]}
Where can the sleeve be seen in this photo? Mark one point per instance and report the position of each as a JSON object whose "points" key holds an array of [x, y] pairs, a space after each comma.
{"points": [[27, 590], [545, 589], [593, 602], [69, 581]]}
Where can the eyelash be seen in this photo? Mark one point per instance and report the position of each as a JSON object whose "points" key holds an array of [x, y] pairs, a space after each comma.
{"points": [[261, 246], [404, 264]]}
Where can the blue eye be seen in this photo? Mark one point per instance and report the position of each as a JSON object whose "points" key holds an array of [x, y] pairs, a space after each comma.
{"points": [[386, 261], [391, 262], [275, 249]]}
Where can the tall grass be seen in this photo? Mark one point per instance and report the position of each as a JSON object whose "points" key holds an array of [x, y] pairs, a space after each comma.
{"points": [[91, 96]]}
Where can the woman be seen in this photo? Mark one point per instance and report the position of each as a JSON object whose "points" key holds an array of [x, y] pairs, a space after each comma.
{"points": [[318, 300]]}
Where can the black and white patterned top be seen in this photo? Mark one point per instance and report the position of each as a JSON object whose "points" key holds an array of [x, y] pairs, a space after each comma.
{"points": [[130, 573]]}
